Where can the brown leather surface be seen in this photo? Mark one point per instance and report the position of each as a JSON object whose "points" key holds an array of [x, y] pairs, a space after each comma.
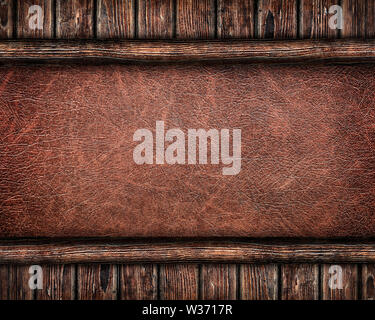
{"points": [[66, 146]]}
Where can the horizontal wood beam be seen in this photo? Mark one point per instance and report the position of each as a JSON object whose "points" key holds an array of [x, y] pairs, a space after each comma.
{"points": [[91, 251], [179, 51]]}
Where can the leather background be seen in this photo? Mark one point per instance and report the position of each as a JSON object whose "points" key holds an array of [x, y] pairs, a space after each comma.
{"points": [[308, 162]]}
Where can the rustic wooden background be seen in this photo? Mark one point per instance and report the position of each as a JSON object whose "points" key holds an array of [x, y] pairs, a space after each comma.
{"points": [[183, 19]]}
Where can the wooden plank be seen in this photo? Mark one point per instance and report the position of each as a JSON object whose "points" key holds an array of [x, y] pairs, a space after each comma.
{"points": [[179, 281], [33, 252], [97, 282], [155, 19], [314, 19], [4, 281], [218, 282], [235, 19], [19, 283], [138, 282], [266, 51], [75, 19], [370, 19], [332, 289], [277, 19], [34, 19], [195, 19], [300, 282], [354, 18], [115, 19], [6, 19], [258, 282], [58, 283], [368, 282]]}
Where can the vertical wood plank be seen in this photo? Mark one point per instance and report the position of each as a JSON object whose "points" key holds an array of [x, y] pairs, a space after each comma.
{"points": [[4, 281], [58, 283], [277, 19], [368, 282], [19, 283], [354, 18], [155, 19], [179, 281], [349, 282], [115, 19], [218, 282], [138, 282], [235, 19], [370, 19], [6, 19], [97, 282], [74, 19], [26, 12], [258, 282], [196, 19], [314, 19], [300, 282]]}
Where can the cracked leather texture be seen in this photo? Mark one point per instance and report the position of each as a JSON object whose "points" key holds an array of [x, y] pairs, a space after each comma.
{"points": [[66, 145]]}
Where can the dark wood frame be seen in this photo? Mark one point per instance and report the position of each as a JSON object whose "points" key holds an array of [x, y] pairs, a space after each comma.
{"points": [[187, 250]]}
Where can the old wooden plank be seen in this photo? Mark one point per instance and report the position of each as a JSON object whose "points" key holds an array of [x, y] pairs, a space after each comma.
{"points": [[97, 282], [353, 19], [4, 281], [300, 282], [218, 282], [258, 281], [6, 19], [277, 19], [115, 19], [314, 19], [75, 19], [235, 19], [368, 282], [270, 51], [179, 281], [19, 288], [370, 19], [155, 19], [138, 282], [339, 282], [58, 283], [196, 19], [184, 251], [35, 19]]}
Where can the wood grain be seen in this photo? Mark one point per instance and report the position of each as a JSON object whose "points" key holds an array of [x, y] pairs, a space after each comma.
{"points": [[179, 281], [58, 283], [370, 19], [368, 282], [155, 19], [218, 282], [138, 282], [258, 282], [4, 281], [195, 19], [24, 16], [97, 282], [349, 283], [235, 19], [251, 51], [314, 19], [75, 19], [115, 19], [6, 19], [300, 282], [277, 19], [19, 283], [354, 18], [76, 251]]}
